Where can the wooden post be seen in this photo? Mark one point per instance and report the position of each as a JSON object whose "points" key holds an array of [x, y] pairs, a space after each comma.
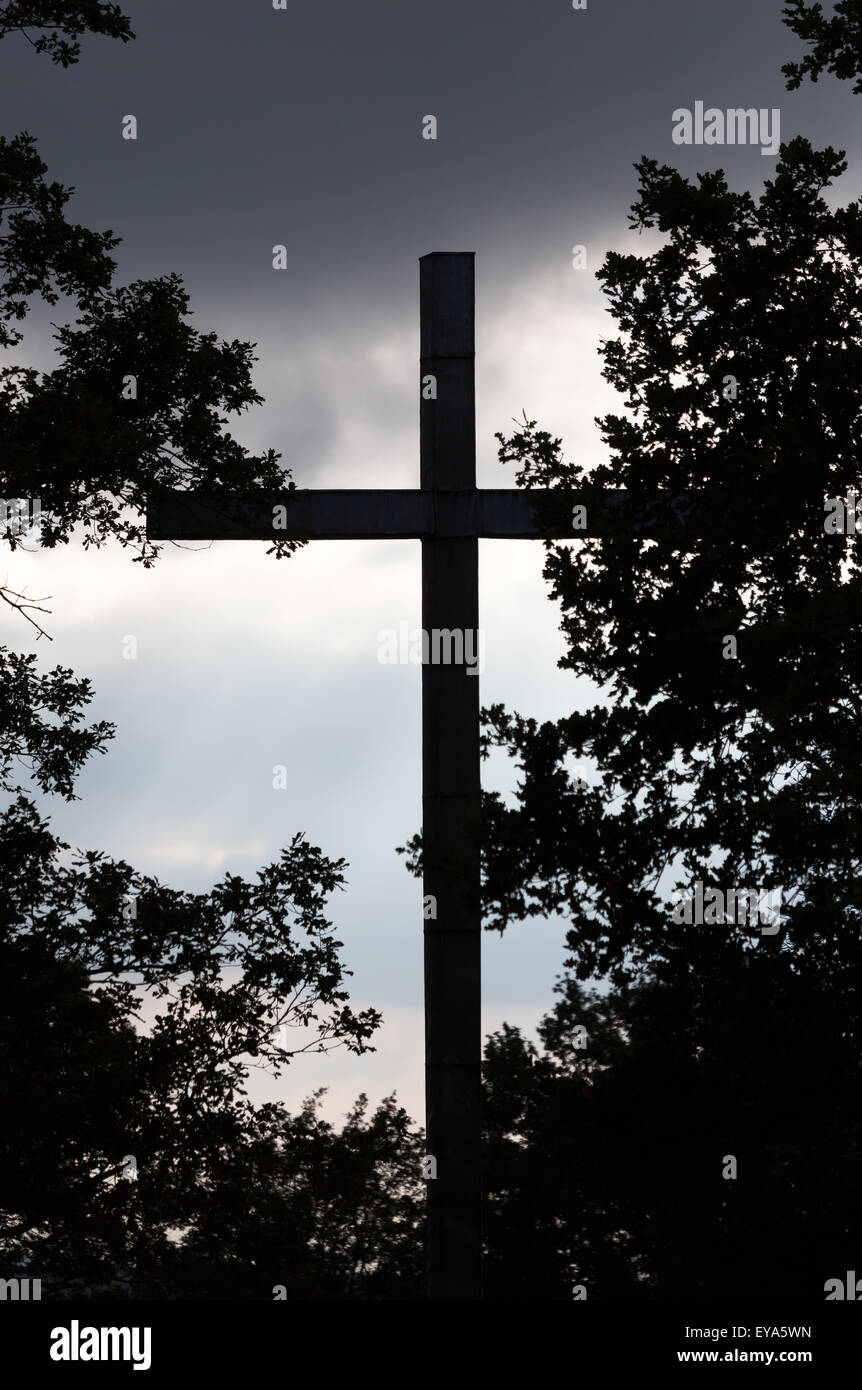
{"points": [[451, 790]]}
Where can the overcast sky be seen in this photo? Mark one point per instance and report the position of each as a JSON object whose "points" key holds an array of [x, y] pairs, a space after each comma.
{"points": [[303, 126]]}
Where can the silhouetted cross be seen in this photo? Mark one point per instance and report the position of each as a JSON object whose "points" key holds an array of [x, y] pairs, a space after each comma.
{"points": [[449, 515]]}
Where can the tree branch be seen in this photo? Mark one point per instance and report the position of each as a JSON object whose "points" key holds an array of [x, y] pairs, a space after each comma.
{"points": [[9, 596]]}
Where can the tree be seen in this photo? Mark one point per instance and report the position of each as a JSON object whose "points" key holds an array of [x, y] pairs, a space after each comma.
{"points": [[836, 43], [135, 405], [723, 744], [694, 1135], [729, 672], [65, 21], [249, 973], [304, 1211], [246, 974]]}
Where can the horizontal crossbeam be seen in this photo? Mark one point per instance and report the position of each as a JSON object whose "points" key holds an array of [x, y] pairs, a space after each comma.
{"points": [[372, 513]]}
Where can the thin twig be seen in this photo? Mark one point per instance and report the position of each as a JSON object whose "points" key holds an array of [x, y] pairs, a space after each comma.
{"points": [[23, 604]]}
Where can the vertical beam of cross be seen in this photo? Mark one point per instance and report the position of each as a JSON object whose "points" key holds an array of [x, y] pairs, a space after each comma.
{"points": [[451, 789]]}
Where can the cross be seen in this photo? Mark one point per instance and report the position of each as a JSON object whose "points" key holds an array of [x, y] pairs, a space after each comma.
{"points": [[448, 514]]}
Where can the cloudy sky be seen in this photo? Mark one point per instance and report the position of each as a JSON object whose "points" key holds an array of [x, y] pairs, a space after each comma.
{"points": [[303, 126]]}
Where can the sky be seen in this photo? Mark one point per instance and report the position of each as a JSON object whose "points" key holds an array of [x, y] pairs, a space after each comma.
{"points": [[303, 126]]}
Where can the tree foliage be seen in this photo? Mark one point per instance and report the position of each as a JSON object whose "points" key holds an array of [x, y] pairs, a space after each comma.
{"points": [[607, 1151], [41, 725], [732, 763], [737, 771], [311, 1212], [137, 403], [835, 44], [131, 1013], [61, 24]]}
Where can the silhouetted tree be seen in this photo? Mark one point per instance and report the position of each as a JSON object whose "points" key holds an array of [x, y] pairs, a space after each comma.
{"points": [[836, 43], [724, 750], [136, 403], [727, 655], [696, 1135], [60, 24], [247, 974], [304, 1211]]}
